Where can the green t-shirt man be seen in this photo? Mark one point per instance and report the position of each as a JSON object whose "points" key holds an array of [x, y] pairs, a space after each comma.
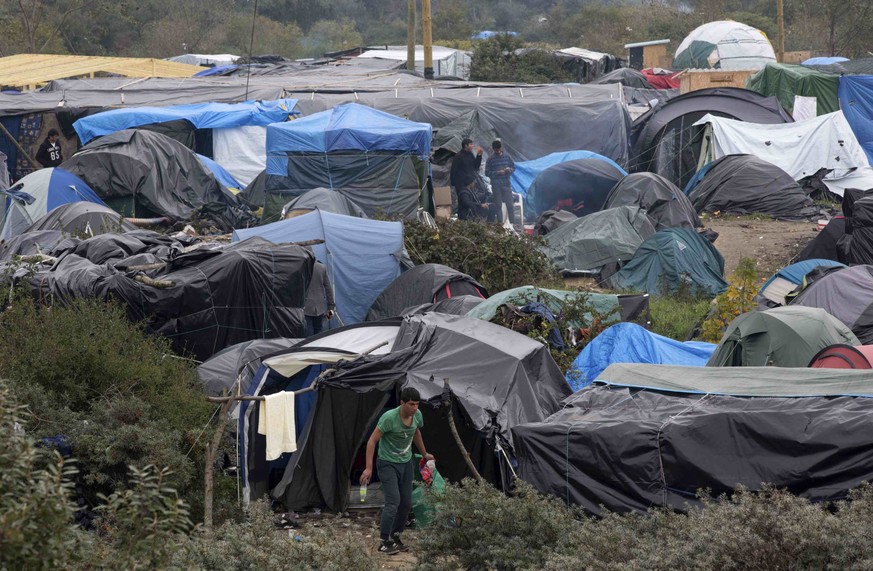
{"points": [[396, 442]]}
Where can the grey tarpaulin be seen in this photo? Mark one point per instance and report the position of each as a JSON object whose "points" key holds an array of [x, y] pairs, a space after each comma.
{"points": [[625, 76], [215, 298], [743, 184], [847, 294], [85, 218], [551, 220], [145, 174], [48, 242], [326, 200], [656, 435], [458, 305], [427, 283], [665, 204], [219, 373]]}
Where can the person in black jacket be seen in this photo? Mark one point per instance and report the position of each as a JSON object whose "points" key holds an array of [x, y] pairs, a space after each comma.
{"points": [[49, 153], [463, 174]]}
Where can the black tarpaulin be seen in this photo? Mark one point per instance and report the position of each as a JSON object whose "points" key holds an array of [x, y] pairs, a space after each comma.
{"points": [[427, 283], [458, 305], [664, 203], [82, 218]]}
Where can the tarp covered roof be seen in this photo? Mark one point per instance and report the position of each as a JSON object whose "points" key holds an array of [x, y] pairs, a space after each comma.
{"points": [[427, 283], [201, 115], [785, 81]]}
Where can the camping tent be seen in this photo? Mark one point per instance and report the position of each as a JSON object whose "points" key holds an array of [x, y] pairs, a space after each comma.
{"points": [[655, 435], [376, 159], [580, 185], [785, 82], [527, 171], [325, 200], [666, 141], [724, 45], [427, 283], [856, 102], [672, 260], [83, 217], [458, 305], [664, 203], [743, 184], [144, 174], [631, 343], [787, 279], [621, 307], [469, 125], [235, 366], [843, 357], [800, 149], [498, 379], [847, 295], [780, 337], [591, 242], [362, 257], [38, 193], [625, 76]]}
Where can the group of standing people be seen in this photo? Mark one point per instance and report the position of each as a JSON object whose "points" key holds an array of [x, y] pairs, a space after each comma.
{"points": [[471, 200]]}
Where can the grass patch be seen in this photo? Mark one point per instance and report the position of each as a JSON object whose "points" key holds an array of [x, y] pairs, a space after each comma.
{"points": [[677, 317]]}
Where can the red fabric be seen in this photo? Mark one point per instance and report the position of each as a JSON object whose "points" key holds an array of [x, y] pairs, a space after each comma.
{"points": [[659, 81]]}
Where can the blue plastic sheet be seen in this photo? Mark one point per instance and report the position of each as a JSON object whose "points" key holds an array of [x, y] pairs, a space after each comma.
{"points": [[856, 102], [220, 173]]}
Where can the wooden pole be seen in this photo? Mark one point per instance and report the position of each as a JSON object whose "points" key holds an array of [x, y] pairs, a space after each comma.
{"points": [[427, 39], [19, 147], [211, 451], [780, 41], [447, 402], [410, 36]]}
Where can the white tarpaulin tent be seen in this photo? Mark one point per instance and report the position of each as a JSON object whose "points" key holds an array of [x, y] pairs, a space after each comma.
{"points": [[446, 61], [800, 149]]}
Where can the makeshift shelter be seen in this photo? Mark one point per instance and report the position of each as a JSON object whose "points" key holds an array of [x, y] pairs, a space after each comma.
{"points": [[447, 142], [786, 280], [580, 186], [234, 366], [591, 242], [824, 60], [81, 218], [655, 435], [376, 159], [843, 357], [743, 184], [786, 82], [447, 62], [625, 76], [526, 172], [551, 220], [621, 307], [847, 295], [800, 149], [666, 141], [221, 174], [497, 380], [362, 257], [250, 290], [662, 78], [322, 199], [724, 44], [664, 203], [856, 102], [45, 241], [672, 260], [427, 283], [143, 174], [779, 337], [826, 243], [458, 305], [631, 343], [38, 193]]}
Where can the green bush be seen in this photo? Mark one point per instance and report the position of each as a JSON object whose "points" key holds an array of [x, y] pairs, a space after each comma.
{"points": [[677, 317], [498, 259], [738, 299]]}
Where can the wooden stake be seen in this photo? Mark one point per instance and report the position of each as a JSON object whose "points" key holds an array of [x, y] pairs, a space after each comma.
{"points": [[410, 36], [211, 451], [447, 402], [427, 39], [18, 146]]}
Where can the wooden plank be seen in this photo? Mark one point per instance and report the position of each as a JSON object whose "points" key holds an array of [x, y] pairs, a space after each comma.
{"points": [[24, 70]]}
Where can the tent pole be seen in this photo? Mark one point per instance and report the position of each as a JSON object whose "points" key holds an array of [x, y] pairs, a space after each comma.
{"points": [[447, 401], [410, 36], [211, 451]]}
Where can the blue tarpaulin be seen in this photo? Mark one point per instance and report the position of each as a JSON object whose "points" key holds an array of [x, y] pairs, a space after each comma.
{"points": [[856, 102], [798, 270], [824, 60], [631, 343], [201, 115], [349, 127], [361, 256], [527, 171], [220, 173]]}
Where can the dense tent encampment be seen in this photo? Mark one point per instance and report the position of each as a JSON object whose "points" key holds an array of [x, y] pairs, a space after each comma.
{"points": [[427, 283], [664, 203]]}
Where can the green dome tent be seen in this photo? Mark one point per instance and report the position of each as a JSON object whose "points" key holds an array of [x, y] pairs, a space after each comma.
{"points": [[780, 337]]}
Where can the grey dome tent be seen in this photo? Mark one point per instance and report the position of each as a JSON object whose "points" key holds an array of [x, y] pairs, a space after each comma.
{"points": [[498, 379], [626, 76], [847, 295], [458, 305], [144, 174], [85, 218], [743, 184], [325, 200], [580, 186], [779, 337], [591, 242], [672, 260], [236, 365], [665, 204], [427, 283]]}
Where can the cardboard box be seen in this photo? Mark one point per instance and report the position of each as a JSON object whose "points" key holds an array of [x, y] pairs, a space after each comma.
{"points": [[443, 212], [442, 196]]}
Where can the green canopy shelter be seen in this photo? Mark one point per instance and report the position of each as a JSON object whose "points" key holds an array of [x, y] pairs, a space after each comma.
{"points": [[784, 81]]}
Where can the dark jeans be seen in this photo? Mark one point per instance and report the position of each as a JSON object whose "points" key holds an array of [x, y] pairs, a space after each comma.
{"points": [[397, 487], [503, 196], [314, 325]]}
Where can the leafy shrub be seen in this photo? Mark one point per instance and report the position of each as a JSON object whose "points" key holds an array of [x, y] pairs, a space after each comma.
{"points": [[498, 259], [498, 59], [739, 298]]}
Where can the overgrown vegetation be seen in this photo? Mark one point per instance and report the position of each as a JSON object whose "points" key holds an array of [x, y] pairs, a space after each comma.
{"points": [[477, 527], [498, 259], [739, 298], [678, 317]]}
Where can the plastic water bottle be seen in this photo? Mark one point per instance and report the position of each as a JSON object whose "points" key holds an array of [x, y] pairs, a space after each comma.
{"points": [[363, 492]]}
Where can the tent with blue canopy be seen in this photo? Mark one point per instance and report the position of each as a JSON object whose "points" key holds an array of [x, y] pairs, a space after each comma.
{"points": [[362, 256], [377, 160], [527, 171], [200, 115], [39, 193], [631, 343], [786, 280]]}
